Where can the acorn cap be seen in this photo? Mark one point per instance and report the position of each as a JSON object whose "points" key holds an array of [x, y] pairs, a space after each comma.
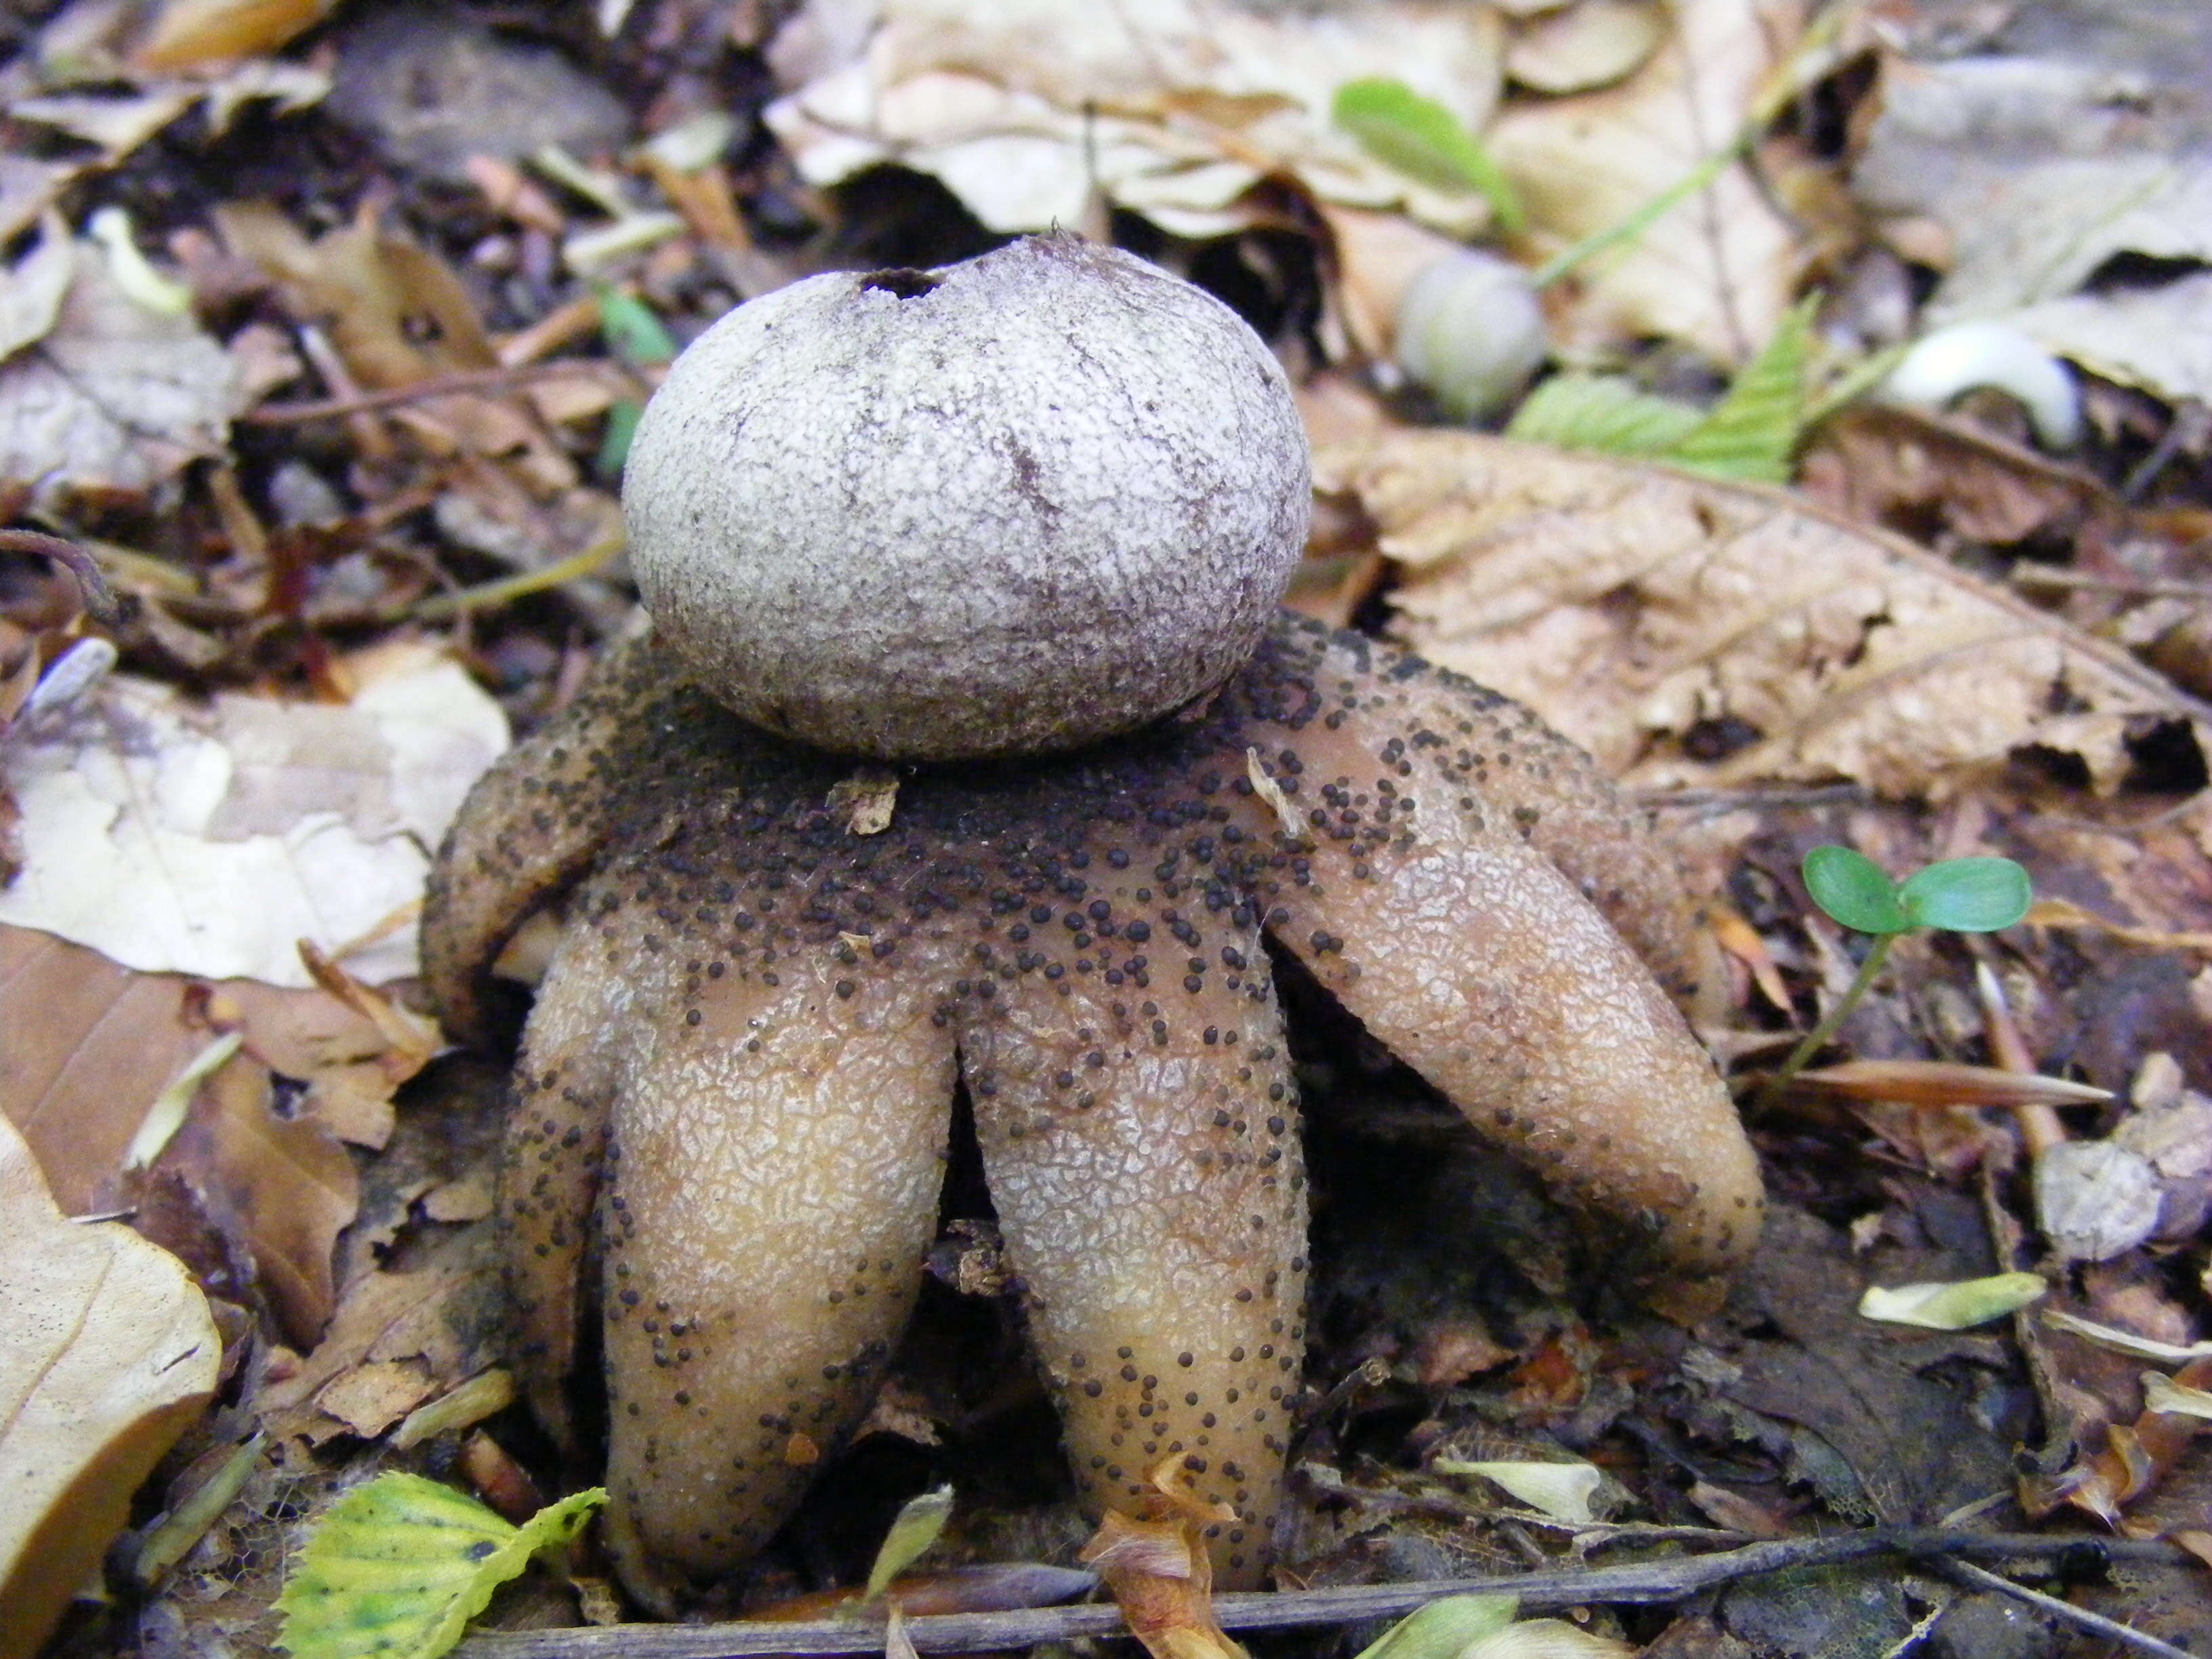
{"points": [[1008, 506]]}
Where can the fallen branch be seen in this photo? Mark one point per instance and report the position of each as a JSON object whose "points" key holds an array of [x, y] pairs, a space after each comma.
{"points": [[1964, 1572], [1644, 1581]]}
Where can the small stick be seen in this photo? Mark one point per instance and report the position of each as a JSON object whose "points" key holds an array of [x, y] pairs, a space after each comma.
{"points": [[1642, 1582], [99, 600], [1965, 1572]]}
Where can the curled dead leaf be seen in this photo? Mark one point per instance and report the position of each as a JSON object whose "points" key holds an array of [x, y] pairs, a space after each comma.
{"points": [[1692, 633], [108, 1355]]}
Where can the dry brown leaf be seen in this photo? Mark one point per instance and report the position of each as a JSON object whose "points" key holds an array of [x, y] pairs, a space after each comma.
{"points": [[285, 1186], [396, 315], [2133, 1460], [446, 1313], [1159, 1574], [1716, 270], [1895, 467], [91, 1044], [1688, 632], [108, 1355], [191, 32], [369, 1399]]}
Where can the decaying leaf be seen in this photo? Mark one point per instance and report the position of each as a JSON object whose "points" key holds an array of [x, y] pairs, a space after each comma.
{"points": [[2094, 1199], [209, 840], [2038, 170], [1694, 633], [1158, 1572], [108, 1355], [1958, 1306], [1560, 1490], [114, 396], [2133, 1458], [443, 1316], [1715, 271], [399, 1566], [1172, 108]]}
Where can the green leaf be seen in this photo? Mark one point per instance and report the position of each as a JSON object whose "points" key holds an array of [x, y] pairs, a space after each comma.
{"points": [[1439, 1629], [1967, 896], [1852, 888], [1425, 141], [1751, 434], [1601, 412], [915, 1529], [615, 441], [397, 1567], [631, 329]]}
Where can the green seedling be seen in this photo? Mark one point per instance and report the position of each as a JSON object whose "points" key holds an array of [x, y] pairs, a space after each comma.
{"points": [[1958, 896]]}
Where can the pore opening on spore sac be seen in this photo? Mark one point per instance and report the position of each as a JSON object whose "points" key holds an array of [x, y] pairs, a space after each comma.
{"points": [[906, 285]]}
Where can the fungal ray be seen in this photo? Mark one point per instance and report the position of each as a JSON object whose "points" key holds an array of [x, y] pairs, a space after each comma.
{"points": [[769, 1009], [1142, 1148], [773, 1180]]}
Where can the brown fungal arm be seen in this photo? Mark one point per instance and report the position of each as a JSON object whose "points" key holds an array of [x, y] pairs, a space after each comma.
{"points": [[1468, 953], [550, 1169], [1141, 1142], [773, 1186], [1502, 766], [530, 830]]}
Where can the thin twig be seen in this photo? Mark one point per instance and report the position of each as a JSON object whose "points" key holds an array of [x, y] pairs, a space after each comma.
{"points": [[438, 386], [92, 586], [1642, 1582], [2032, 574], [1965, 1572]]}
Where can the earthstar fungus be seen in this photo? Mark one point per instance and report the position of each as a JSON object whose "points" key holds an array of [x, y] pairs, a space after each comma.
{"points": [[736, 1085]]}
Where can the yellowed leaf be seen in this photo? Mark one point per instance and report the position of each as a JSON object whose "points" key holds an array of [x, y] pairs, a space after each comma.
{"points": [[1159, 1577], [190, 32], [1691, 633], [108, 1353], [1715, 271]]}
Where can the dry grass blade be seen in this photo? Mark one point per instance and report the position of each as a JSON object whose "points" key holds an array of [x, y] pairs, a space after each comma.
{"points": [[1939, 1083]]}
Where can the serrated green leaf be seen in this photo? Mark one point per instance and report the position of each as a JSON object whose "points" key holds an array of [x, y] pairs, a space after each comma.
{"points": [[1967, 896], [1956, 1306], [915, 1527], [1440, 1629], [1751, 434], [631, 329], [1425, 141], [1855, 889], [1601, 412], [397, 1567]]}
